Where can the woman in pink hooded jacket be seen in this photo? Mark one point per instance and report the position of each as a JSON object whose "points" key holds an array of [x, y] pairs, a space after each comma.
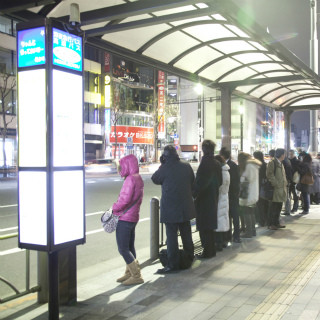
{"points": [[130, 199]]}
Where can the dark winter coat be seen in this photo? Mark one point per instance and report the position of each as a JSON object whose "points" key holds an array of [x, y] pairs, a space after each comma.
{"points": [[303, 169], [295, 164], [234, 187], [288, 169], [262, 173], [206, 192], [176, 178]]}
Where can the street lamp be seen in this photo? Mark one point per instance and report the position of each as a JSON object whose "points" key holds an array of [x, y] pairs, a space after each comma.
{"points": [[241, 111]]}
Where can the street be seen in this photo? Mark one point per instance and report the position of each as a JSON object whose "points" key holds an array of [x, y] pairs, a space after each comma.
{"points": [[101, 193]]}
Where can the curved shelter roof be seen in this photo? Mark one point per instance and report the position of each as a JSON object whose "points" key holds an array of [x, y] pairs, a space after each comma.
{"points": [[211, 41]]}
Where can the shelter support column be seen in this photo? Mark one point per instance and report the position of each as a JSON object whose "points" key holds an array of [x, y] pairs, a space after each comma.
{"points": [[287, 129], [226, 117]]}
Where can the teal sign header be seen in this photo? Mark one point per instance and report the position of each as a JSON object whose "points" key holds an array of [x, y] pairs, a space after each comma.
{"points": [[67, 50], [31, 47]]}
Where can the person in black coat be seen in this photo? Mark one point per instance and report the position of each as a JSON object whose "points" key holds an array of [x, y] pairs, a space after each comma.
{"points": [[303, 169], [176, 208], [262, 207], [234, 189], [206, 194], [295, 164]]}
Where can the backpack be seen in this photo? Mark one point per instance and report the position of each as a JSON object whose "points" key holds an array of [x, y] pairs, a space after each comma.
{"points": [[185, 261]]}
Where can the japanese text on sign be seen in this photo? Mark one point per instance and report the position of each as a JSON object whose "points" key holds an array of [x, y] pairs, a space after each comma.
{"points": [[143, 135], [67, 50], [31, 47]]}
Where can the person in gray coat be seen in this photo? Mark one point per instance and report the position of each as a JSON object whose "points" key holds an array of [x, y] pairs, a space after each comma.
{"points": [[176, 178]]}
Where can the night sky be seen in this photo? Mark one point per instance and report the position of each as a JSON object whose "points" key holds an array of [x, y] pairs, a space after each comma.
{"points": [[288, 22]]}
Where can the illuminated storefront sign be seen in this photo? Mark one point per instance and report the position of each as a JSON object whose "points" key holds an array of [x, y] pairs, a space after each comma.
{"points": [[31, 47], [161, 104], [67, 50], [140, 135]]}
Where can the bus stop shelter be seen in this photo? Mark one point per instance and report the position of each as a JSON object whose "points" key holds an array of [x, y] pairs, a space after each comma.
{"points": [[212, 42]]}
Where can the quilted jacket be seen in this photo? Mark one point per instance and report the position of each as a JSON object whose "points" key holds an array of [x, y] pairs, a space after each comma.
{"points": [[132, 190]]}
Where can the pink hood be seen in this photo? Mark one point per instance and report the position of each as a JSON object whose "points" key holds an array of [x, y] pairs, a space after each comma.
{"points": [[131, 191]]}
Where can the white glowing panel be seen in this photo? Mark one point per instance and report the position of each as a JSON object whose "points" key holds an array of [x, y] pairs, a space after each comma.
{"points": [[32, 118], [33, 207], [159, 50], [67, 119], [198, 58], [240, 74], [68, 206]]}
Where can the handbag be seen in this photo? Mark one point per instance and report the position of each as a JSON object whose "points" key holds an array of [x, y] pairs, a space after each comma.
{"points": [[244, 189], [110, 221], [307, 178], [296, 177]]}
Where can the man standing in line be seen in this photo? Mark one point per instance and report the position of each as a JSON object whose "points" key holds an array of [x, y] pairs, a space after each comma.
{"points": [[233, 196], [295, 163], [206, 194], [177, 208], [277, 177]]}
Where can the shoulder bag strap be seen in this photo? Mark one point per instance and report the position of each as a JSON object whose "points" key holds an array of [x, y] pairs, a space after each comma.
{"points": [[129, 207]]}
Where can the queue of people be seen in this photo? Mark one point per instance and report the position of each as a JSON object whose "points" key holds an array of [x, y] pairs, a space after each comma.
{"points": [[220, 196]]}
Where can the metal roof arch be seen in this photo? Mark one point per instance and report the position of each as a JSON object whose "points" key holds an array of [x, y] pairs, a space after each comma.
{"points": [[175, 29], [300, 98]]}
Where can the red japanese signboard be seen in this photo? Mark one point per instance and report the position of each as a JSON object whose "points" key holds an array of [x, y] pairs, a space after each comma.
{"points": [[161, 102], [140, 135]]}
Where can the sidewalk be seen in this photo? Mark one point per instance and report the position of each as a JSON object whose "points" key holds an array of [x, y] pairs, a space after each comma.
{"points": [[275, 275]]}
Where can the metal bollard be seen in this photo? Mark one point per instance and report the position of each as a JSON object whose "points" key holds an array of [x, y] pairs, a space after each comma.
{"points": [[154, 228]]}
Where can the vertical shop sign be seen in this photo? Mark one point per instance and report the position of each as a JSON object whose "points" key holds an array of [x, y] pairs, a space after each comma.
{"points": [[161, 105], [106, 62]]}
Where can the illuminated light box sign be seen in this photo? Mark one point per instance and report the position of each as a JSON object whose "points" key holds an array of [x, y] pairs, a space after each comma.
{"points": [[67, 119], [31, 47], [67, 50], [143, 135]]}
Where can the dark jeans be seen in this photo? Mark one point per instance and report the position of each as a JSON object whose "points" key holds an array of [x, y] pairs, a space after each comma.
{"points": [[262, 209], [293, 191], [234, 218], [306, 201], [125, 235], [173, 245], [275, 213], [208, 242]]}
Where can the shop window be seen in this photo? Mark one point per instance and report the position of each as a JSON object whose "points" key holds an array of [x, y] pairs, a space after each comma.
{"points": [[7, 61], [6, 25]]}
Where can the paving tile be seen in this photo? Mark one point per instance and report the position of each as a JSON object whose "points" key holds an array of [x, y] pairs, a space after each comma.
{"points": [[185, 311], [309, 315], [225, 313]]}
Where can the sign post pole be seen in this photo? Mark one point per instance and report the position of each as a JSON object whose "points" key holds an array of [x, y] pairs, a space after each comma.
{"points": [[51, 143]]}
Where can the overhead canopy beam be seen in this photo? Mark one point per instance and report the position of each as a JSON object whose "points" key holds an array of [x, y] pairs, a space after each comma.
{"points": [[301, 108], [8, 6], [149, 22], [249, 82], [130, 9], [254, 99]]}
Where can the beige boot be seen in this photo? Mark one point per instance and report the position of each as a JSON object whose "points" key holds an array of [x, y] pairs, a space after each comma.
{"points": [[135, 274], [126, 275]]}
